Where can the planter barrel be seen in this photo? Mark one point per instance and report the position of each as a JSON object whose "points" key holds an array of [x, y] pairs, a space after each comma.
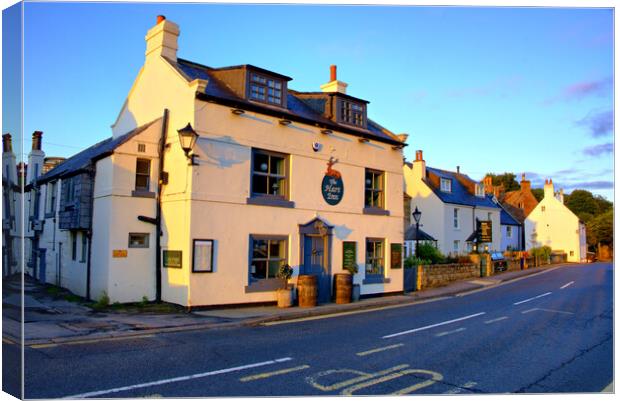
{"points": [[285, 297], [308, 290], [344, 284]]}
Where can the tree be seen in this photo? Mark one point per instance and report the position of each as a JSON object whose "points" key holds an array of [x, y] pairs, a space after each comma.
{"points": [[538, 193], [507, 180], [583, 204], [600, 230]]}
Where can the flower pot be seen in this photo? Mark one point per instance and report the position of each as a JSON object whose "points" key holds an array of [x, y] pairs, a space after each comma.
{"points": [[285, 297], [344, 282], [355, 292]]}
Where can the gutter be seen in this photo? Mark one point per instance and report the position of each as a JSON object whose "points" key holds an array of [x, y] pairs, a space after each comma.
{"points": [[92, 174], [160, 184]]}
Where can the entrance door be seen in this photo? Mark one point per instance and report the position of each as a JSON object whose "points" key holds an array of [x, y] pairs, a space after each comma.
{"points": [[315, 262]]}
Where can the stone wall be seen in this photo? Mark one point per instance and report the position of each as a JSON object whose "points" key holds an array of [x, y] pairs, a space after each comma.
{"points": [[430, 276]]}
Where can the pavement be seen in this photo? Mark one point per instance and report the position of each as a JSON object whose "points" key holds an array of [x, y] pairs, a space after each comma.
{"points": [[50, 319]]}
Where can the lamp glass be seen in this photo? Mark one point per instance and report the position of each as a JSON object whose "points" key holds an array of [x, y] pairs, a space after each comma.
{"points": [[416, 215], [187, 138]]}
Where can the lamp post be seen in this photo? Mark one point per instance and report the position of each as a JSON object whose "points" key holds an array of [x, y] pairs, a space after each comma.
{"points": [[187, 139], [416, 216]]}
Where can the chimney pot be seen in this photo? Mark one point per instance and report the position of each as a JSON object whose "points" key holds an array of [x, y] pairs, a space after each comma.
{"points": [[7, 145], [161, 18], [36, 140], [418, 155], [332, 72], [458, 169]]}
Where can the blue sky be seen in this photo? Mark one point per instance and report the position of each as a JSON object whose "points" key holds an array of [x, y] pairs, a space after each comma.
{"points": [[487, 89]]}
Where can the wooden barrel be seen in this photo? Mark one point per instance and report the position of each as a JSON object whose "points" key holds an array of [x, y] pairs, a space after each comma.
{"points": [[344, 285], [308, 290]]}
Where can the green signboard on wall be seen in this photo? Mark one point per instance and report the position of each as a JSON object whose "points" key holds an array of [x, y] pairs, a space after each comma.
{"points": [[172, 258], [396, 259], [349, 255]]}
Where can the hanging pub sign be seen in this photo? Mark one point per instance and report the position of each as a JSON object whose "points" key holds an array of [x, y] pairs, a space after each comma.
{"points": [[332, 186], [484, 232]]}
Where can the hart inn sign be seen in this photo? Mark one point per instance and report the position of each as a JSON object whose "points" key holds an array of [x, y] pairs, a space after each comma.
{"points": [[332, 186]]}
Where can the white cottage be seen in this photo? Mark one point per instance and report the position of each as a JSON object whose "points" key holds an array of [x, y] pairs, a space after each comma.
{"points": [[453, 207], [552, 224], [268, 176]]}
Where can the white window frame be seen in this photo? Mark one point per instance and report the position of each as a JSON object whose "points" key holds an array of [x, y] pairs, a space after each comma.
{"points": [[445, 184], [456, 245], [480, 190], [508, 231], [456, 221]]}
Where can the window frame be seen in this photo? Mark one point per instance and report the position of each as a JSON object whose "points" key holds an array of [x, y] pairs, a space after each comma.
{"points": [[448, 185], [347, 115], [508, 231], [372, 189], [285, 178], [375, 240], [83, 254], [74, 245], [148, 175], [456, 245], [251, 82], [147, 243], [268, 238], [456, 222], [480, 190]]}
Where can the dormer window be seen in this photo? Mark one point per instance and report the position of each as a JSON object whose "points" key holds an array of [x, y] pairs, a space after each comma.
{"points": [[266, 89], [350, 112], [480, 190], [445, 185]]}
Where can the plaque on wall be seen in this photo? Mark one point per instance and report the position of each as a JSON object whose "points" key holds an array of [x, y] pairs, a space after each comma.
{"points": [[349, 255], [172, 259]]}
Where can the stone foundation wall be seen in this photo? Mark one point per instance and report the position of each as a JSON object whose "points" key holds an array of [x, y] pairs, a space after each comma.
{"points": [[430, 276]]}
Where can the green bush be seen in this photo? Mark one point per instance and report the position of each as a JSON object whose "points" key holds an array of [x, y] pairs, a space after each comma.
{"points": [[541, 252], [429, 252], [412, 262], [104, 300]]}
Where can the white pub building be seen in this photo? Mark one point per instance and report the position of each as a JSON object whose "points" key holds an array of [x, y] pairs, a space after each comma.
{"points": [[214, 177]]}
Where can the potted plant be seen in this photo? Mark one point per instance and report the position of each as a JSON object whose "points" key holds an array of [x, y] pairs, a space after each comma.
{"points": [[285, 295]]}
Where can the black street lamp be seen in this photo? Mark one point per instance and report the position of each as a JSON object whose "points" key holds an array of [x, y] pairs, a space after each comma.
{"points": [[416, 216], [187, 139]]}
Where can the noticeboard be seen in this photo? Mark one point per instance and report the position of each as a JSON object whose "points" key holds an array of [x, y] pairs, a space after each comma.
{"points": [[396, 256], [484, 231], [349, 255], [172, 259]]}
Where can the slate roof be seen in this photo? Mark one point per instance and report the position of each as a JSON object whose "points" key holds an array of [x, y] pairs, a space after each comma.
{"points": [[506, 219], [412, 234], [82, 160], [463, 192], [296, 107]]}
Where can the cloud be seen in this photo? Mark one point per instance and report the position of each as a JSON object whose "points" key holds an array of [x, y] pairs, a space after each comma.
{"points": [[598, 150], [583, 89], [599, 123], [591, 185]]}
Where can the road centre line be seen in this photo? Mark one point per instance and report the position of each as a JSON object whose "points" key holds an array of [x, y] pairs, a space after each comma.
{"points": [[372, 351], [433, 325], [567, 284], [547, 310], [445, 333], [533, 298], [275, 373], [178, 379], [496, 320]]}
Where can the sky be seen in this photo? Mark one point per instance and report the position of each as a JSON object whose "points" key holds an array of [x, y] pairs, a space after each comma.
{"points": [[488, 89]]}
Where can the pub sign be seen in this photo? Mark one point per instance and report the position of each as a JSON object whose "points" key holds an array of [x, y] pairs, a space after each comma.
{"points": [[332, 186], [484, 231]]}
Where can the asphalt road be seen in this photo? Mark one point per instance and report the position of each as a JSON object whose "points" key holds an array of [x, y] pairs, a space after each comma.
{"points": [[548, 333]]}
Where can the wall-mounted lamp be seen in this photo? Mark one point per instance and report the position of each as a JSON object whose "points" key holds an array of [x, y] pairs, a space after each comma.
{"points": [[363, 140], [326, 131], [237, 111], [187, 140], [284, 121]]}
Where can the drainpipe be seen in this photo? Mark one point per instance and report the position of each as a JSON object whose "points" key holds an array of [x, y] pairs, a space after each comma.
{"points": [[160, 184], [92, 174]]}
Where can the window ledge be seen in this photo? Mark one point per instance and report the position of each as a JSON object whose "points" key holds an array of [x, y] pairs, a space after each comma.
{"points": [[266, 285], [269, 201], [376, 211], [143, 194], [376, 280], [50, 215]]}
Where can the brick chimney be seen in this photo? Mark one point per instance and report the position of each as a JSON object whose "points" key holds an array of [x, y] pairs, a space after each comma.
{"points": [[7, 143], [162, 39], [525, 184], [419, 165], [334, 85]]}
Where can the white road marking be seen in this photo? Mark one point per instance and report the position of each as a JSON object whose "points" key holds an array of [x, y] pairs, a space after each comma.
{"points": [[445, 333], [533, 298], [433, 325], [178, 379], [567, 284], [496, 320], [469, 385], [457, 390], [547, 310], [372, 351]]}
